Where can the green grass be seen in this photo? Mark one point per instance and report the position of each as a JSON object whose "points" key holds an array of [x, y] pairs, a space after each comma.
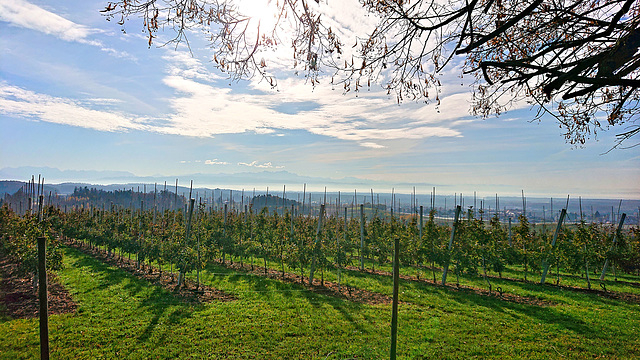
{"points": [[123, 317]]}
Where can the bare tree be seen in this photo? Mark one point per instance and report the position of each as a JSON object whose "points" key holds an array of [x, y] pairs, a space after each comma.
{"points": [[577, 60]]}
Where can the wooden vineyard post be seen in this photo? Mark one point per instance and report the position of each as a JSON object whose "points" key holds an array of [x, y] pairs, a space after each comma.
{"points": [[345, 241], [292, 210], [139, 234], [510, 242], [615, 238], [453, 234], [224, 230], [42, 292], [545, 263], [316, 247], [420, 225], [199, 263], [394, 308], [188, 233], [361, 237], [586, 267]]}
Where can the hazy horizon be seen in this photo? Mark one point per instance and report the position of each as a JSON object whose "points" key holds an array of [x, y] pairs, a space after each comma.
{"points": [[275, 181]]}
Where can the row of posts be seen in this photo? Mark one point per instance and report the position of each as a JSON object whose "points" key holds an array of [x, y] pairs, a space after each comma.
{"points": [[42, 274]]}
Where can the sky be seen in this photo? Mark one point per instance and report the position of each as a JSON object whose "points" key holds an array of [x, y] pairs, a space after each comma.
{"points": [[78, 93]]}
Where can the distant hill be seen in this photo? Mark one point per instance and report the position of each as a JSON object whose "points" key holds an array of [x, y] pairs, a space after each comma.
{"points": [[10, 187], [217, 186], [248, 179]]}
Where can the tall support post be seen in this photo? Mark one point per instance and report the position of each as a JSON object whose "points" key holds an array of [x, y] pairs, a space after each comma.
{"points": [[393, 201], [434, 199], [42, 293], [224, 228], [420, 224], [199, 263], [510, 236], [615, 238], [175, 197], [304, 194], [40, 207], [474, 205], [394, 309], [361, 237], [291, 234], [187, 234], [453, 234], [42, 289], [586, 266], [545, 263], [316, 247], [284, 193], [140, 233], [344, 233]]}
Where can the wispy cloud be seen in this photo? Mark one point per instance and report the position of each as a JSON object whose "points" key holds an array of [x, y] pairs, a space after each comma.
{"points": [[183, 64], [215, 162], [372, 145], [203, 106], [267, 165], [24, 14], [15, 101], [203, 109]]}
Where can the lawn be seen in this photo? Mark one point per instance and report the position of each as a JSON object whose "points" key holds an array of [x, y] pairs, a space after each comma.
{"points": [[121, 316]]}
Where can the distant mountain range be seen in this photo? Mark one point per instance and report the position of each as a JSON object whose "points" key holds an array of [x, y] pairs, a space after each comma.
{"points": [[257, 179]]}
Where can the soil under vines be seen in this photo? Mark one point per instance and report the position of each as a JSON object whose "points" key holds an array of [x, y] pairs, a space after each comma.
{"points": [[19, 299]]}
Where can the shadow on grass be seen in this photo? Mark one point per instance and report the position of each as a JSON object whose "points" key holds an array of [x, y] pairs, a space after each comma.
{"points": [[544, 314], [276, 290], [151, 299]]}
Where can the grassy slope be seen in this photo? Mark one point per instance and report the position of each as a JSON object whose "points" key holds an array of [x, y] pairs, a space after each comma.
{"points": [[122, 317]]}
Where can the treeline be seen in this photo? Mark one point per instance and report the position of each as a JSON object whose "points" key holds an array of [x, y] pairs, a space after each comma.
{"points": [[23, 201]]}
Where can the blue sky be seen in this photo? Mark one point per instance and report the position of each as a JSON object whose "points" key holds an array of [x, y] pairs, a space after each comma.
{"points": [[76, 93]]}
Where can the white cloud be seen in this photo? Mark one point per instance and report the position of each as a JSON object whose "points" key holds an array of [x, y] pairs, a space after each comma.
{"points": [[21, 13], [104, 101], [15, 101], [267, 165], [24, 14], [202, 109], [372, 145], [183, 64], [215, 162]]}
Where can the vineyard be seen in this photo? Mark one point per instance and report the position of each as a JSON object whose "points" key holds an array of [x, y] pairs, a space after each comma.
{"points": [[470, 259]]}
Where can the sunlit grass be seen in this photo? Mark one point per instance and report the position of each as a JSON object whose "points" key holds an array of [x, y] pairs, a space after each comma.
{"points": [[121, 316]]}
